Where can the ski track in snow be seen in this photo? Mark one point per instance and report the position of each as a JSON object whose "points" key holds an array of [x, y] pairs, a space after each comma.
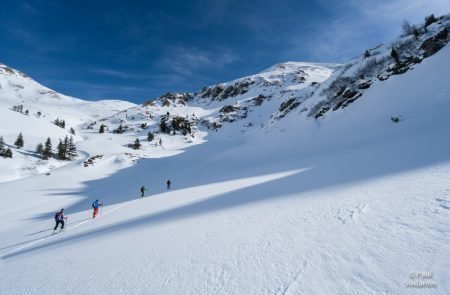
{"points": [[78, 224]]}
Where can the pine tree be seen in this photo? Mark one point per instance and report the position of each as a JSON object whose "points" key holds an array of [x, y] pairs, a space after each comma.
{"points": [[72, 149], [150, 136], [366, 54], [2, 146], [66, 147], [8, 153], [407, 28], [72, 130], [18, 108], [40, 149], [119, 130], [163, 126], [102, 129], [60, 123], [61, 152], [19, 141], [137, 144], [429, 20], [416, 33], [394, 55], [47, 153]]}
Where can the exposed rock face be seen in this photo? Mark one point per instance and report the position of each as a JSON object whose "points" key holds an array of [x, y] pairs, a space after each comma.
{"points": [[221, 92], [233, 113], [364, 84], [411, 50], [434, 44], [171, 98], [91, 161], [286, 107], [229, 109], [321, 112], [257, 101]]}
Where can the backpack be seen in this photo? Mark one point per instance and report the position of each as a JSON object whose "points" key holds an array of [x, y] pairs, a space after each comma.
{"points": [[58, 216], [95, 204]]}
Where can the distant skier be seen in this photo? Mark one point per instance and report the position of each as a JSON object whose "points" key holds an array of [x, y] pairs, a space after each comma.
{"points": [[96, 205], [143, 189], [160, 142], [59, 219], [168, 184]]}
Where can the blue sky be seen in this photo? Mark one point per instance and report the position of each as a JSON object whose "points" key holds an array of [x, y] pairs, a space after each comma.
{"points": [[138, 50]]}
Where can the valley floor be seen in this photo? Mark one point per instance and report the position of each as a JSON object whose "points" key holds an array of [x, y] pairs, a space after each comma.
{"points": [[363, 221]]}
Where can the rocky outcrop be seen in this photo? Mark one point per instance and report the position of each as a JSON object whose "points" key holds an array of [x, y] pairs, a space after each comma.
{"points": [[222, 92], [171, 99], [257, 101], [435, 43], [91, 161], [405, 53], [286, 107]]}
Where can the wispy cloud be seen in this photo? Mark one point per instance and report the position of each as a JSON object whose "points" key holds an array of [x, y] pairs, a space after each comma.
{"points": [[360, 24], [395, 11], [119, 74], [39, 42], [188, 62], [29, 9], [96, 90], [213, 12]]}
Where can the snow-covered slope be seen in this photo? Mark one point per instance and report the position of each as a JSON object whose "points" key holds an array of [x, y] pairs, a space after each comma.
{"points": [[265, 199], [40, 108]]}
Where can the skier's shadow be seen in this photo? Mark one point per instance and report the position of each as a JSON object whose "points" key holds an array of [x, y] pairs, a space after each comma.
{"points": [[38, 232], [45, 230], [26, 242]]}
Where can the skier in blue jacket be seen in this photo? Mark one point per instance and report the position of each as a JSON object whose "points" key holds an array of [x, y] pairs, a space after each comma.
{"points": [[96, 205]]}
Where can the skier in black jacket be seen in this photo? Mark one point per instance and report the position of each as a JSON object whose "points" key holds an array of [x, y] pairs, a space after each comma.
{"points": [[59, 218], [143, 189]]}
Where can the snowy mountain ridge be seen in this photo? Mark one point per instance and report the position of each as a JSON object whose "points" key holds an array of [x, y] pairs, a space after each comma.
{"points": [[317, 88], [254, 103], [29, 108]]}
